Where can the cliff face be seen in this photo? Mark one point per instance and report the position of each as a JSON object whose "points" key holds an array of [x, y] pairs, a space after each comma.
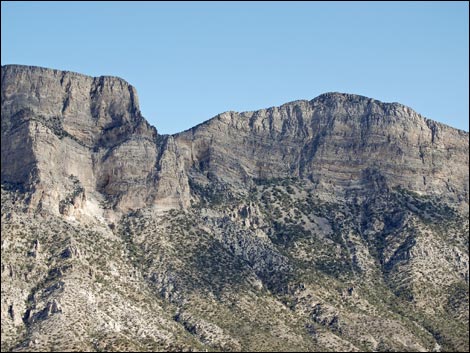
{"points": [[339, 223], [339, 141], [57, 124], [61, 125]]}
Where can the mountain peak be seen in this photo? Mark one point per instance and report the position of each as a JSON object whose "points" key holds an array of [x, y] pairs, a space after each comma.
{"points": [[102, 114], [40, 70], [281, 229], [341, 96], [86, 107]]}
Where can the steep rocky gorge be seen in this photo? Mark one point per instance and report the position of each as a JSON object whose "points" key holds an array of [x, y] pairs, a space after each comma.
{"points": [[339, 223]]}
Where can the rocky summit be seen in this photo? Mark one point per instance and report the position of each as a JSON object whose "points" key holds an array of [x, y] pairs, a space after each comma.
{"points": [[335, 224]]}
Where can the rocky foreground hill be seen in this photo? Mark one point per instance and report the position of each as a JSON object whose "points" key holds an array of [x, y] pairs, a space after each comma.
{"points": [[339, 224]]}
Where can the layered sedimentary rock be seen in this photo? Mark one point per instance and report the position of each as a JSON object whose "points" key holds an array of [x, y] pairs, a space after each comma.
{"points": [[340, 141], [57, 125], [339, 223]]}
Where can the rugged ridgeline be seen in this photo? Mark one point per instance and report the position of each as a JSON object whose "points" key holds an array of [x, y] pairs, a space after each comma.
{"points": [[64, 132], [339, 223]]}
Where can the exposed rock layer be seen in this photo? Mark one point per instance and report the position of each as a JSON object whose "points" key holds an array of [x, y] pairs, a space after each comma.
{"points": [[339, 223], [56, 124]]}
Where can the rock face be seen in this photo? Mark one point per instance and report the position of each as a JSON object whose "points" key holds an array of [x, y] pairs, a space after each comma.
{"points": [[339, 141], [339, 223], [60, 124]]}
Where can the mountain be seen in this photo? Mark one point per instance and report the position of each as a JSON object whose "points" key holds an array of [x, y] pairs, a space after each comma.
{"points": [[339, 223]]}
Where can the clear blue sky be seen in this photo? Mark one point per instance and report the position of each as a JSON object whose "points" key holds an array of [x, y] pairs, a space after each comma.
{"points": [[190, 61]]}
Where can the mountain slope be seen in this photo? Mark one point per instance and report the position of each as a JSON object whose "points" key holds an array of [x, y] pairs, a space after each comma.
{"points": [[339, 223]]}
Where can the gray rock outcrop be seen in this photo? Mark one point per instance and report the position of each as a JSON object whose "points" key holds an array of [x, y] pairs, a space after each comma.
{"points": [[335, 224], [60, 125]]}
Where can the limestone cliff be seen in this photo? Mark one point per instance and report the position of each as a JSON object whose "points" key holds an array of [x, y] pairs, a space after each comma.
{"points": [[336, 224], [60, 125], [339, 141]]}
